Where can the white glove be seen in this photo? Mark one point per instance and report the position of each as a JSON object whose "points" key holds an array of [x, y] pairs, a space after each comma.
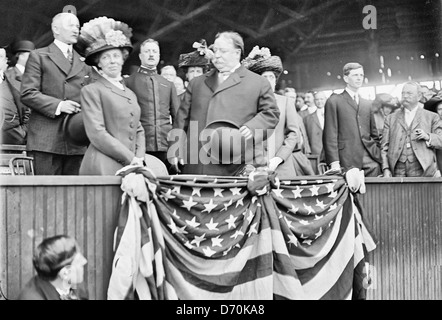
{"points": [[137, 162], [274, 163], [355, 180]]}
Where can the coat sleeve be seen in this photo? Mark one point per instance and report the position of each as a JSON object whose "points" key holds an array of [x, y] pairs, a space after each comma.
{"points": [[385, 143], [174, 103], [268, 113], [31, 85], [93, 118], [330, 134], [292, 132], [436, 133]]}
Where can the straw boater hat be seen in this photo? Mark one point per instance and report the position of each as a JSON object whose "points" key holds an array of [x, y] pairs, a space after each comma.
{"points": [[197, 58], [260, 60], [96, 36]]}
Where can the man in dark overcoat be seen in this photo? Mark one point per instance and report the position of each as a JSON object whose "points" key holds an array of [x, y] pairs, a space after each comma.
{"points": [[230, 93]]}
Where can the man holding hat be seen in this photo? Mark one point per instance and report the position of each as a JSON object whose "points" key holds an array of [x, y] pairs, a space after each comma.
{"points": [[51, 85], [229, 93]]}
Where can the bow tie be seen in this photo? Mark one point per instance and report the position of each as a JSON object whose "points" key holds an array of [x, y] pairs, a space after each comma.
{"points": [[149, 72]]}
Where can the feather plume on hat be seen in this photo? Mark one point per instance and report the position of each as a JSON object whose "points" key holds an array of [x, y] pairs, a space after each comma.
{"points": [[201, 57], [103, 33], [261, 60]]}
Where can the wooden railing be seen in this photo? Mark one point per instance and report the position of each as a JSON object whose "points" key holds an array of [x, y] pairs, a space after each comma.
{"points": [[405, 215]]}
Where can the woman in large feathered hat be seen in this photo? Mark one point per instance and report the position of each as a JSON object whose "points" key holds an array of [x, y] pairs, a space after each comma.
{"points": [[289, 141], [110, 110]]}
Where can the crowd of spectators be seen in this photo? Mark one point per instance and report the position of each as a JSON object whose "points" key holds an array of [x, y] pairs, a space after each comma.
{"points": [[42, 89]]}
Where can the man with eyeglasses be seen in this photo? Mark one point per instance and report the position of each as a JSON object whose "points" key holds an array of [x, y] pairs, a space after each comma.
{"points": [[228, 93]]}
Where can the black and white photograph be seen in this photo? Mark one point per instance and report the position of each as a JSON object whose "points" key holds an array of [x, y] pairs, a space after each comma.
{"points": [[221, 154]]}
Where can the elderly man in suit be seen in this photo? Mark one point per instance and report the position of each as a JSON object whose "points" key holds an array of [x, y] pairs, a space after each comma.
{"points": [[350, 137], [51, 87], [410, 137], [228, 92], [157, 98]]}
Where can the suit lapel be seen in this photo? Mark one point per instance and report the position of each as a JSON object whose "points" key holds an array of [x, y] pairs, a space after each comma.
{"points": [[114, 89], [349, 100], [401, 119], [77, 65], [212, 80], [417, 118], [232, 80], [59, 59], [316, 120], [15, 78]]}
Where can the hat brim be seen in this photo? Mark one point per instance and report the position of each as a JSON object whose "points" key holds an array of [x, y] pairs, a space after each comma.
{"points": [[226, 144], [431, 104], [74, 130], [272, 63], [90, 58]]}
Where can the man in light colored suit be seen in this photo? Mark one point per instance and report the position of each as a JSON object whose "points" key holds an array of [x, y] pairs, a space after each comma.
{"points": [[51, 85], [228, 92], [410, 137], [350, 137]]}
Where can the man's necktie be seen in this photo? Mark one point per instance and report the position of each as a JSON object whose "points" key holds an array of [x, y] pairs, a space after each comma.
{"points": [[223, 76], [70, 56], [356, 98]]}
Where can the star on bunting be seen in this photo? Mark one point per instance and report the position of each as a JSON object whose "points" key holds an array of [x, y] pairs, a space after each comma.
{"points": [[188, 203], [231, 222], [216, 242], [193, 222], [208, 252], [197, 240], [252, 229], [218, 192], [297, 192], [212, 225], [209, 206], [314, 189]]}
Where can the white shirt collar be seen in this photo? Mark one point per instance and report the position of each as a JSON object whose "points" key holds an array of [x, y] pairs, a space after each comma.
{"points": [[312, 109], [115, 81], [20, 68], [63, 46], [351, 92]]}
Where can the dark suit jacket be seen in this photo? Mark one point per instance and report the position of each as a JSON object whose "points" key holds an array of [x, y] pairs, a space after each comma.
{"points": [[158, 107], [394, 135], [348, 129], [314, 133], [244, 98], [49, 78], [14, 128], [40, 289]]}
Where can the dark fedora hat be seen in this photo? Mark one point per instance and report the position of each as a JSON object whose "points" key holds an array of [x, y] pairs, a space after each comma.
{"points": [[22, 46], [74, 131], [431, 104], [226, 144]]}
